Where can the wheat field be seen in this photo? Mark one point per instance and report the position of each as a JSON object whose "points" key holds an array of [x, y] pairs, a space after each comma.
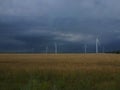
{"points": [[59, 71], [61, 62]]}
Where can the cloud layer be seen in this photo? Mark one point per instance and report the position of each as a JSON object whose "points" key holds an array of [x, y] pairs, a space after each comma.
{"points": [[26, 24]]}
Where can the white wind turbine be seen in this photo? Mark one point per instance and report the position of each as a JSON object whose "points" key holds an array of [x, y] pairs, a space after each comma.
{"points": [[32, 50], [85, 47], [97, 45], [103, 49], [56, 48], [46, 50]]}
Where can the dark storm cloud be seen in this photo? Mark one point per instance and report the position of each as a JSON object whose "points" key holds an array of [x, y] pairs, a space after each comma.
{"points": [[26, 24], [54, 8]]}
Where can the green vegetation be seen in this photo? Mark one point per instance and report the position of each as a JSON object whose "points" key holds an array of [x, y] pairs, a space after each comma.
{"points": [[58, 81], [60, 72]]}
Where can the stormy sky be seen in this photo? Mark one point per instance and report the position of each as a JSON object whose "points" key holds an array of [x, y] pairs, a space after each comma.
{"points": [[33, 25]]}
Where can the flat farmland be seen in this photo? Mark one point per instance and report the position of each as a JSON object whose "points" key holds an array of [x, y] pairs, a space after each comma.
{"points": [[59, 72]]}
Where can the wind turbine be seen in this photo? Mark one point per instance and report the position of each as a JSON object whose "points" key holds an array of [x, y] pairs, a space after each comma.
{"points": [[46, 50], [55, 48], [103, 49], [85, 46], [97, 45], [32, 50]]}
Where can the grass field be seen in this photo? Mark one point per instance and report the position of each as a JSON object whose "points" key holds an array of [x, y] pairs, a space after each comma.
{"points": [[59, 72]]}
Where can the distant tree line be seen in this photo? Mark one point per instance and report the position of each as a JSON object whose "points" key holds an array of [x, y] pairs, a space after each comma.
{"points": [[116, 52]]}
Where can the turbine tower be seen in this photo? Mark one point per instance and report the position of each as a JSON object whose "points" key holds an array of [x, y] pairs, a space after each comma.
{"points": [[55, 48], [97, 42], [32, 50], [85, 46], [103, 50], [46, 50]]}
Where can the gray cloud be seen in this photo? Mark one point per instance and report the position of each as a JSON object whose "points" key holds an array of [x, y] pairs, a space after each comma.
{"points": [[63, 8], [68, 22]]}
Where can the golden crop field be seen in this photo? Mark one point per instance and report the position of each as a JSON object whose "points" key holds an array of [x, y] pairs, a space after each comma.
{"points": [[65, 62], [59, 71]]}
